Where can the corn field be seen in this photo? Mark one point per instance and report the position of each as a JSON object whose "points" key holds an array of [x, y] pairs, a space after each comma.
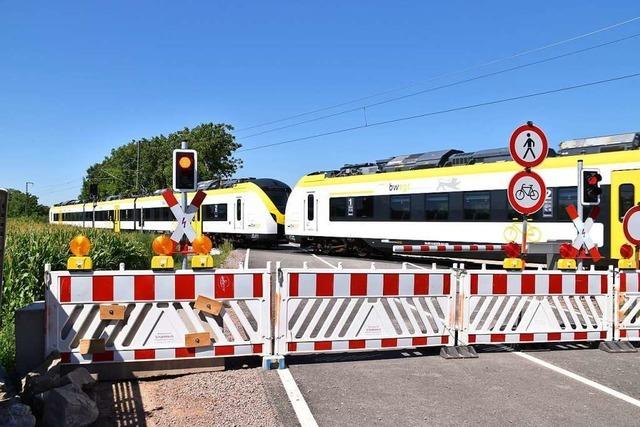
{"points": [[30, 245]]}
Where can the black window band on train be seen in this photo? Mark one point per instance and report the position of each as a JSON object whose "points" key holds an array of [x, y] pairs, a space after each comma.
{"points": [[215, 212], [459, 206], [277, 191]]}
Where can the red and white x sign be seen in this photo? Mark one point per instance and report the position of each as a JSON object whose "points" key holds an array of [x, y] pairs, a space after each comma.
{"points": [[583, 238], [184, 219]]}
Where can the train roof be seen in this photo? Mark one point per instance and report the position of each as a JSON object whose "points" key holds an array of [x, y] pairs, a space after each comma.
{"points": [[454, 157]]}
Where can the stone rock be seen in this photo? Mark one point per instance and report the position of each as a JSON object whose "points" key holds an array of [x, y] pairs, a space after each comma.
{"points": [[80, 377], [68, 406], [16, 414], [50, 368], [35, 382]]}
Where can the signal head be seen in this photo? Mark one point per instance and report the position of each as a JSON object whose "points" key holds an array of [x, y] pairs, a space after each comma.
{"points": [[626, 251], [163, 245], [80, 245], [202, 245]]}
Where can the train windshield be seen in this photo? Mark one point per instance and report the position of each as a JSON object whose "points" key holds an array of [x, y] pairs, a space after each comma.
{"points": [[275, 190]]}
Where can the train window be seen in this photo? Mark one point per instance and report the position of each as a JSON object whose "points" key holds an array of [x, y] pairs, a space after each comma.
{"points": [[436, 206], [626, 199], [310, 207], [400, 207], [337, 208], [477, 205], [363, 207], [238, 209], [566, 196], [217, 212]]}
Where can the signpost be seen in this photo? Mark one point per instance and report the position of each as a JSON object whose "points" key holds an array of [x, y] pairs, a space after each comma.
{"points": [[183, 216], [631, 228], [583, 228], [527, 191]]}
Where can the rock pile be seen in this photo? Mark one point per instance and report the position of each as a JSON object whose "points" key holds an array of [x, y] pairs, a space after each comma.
{"points": [[56, 400]]}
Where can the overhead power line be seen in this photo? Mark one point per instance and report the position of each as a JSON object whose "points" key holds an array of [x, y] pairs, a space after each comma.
{"points": [[448, 85], [447, 74], [448, 110]]}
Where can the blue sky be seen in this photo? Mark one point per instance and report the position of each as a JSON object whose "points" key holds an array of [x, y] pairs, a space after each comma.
{"points": [[79, 78]]}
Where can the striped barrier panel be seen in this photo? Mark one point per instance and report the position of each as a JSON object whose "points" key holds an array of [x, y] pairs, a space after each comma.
{"points": [[447, 248], [627, 310], [537, 306], [123, 316], [323, 310]]}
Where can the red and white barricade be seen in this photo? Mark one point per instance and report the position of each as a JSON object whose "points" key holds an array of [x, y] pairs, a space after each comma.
{"points": [[322, 310], [627, 310], [536, 306], [448, 248], [123, 316]]}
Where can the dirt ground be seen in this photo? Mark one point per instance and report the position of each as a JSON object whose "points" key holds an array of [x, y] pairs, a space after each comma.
{"points": [[231, 398]]}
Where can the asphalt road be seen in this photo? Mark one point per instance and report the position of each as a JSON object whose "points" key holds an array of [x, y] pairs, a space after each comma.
{"points": [[418, 387]]}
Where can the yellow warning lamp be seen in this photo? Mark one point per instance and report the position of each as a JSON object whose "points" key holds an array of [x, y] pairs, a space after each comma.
{"points": [[202, 247], [568, 256], [163, 247], [627, 262], [80, 247], [512, 260]]}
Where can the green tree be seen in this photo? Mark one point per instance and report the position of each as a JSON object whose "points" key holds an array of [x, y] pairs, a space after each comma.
{"points": [[20, 204], [116, 174]]}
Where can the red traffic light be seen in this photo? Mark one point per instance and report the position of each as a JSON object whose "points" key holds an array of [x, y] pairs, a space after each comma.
{"points": [[512, 250], [626, 251], [568, 251]]}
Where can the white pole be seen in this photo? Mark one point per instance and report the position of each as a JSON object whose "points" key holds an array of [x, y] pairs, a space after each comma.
{"points": [[184, 146], [578, 199]]}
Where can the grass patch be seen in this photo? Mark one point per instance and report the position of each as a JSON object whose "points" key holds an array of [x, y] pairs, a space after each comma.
{"points": [[30, 245]]}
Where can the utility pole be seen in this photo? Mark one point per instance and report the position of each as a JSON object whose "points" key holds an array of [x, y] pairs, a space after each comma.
{"points": [[26, 205], [138, 169], [579, 202]]}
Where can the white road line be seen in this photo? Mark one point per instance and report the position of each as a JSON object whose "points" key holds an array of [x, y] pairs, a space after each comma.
{"points": [[416, 266], [246, 258], [583, 380], [326, 262], [305, 417]]}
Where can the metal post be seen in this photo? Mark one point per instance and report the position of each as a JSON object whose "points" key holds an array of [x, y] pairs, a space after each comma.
{"points": [[524, 235], [138, 169], [579, 203], [184, 146], [26, 204]]}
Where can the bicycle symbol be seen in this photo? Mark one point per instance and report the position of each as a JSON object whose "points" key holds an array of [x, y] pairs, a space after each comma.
{"points": [[528, 191], [513, 233]]}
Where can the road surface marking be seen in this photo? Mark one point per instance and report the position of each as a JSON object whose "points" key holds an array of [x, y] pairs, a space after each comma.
{"points": [[246, 258], [416, 266], [583, 380], [305, 417], [326, 262]]}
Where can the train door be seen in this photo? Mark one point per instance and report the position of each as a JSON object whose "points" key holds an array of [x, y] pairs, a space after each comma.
{"points": [[310, 214], [116, 219], [238, 223], [625, 193], [197, 221]]}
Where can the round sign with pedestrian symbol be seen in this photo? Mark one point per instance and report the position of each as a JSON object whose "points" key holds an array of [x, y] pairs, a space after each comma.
{"points": [[528, 146], [527, 192], [631, 225]]}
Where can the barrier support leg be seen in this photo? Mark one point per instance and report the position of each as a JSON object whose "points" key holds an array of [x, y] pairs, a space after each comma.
{"points": [[273, 361], [617, 347], [459, 352]]}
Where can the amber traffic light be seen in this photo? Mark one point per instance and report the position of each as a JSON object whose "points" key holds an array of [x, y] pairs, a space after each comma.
{"points": [[185, 170]]}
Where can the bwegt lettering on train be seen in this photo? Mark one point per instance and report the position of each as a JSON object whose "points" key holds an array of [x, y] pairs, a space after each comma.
{"points": [[446, 196]]}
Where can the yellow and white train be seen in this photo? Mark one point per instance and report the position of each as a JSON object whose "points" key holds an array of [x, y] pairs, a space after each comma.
{"points": [[244, 210], [456, 197]]}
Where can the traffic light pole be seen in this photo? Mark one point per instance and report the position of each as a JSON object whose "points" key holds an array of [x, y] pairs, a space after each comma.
{"points": [[579, 201], [184, 146]]}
